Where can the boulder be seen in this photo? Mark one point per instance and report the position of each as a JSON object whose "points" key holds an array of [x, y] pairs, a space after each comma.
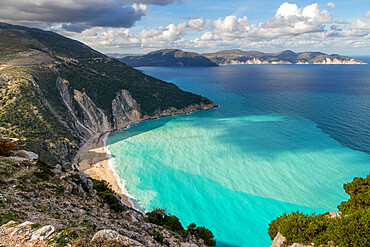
{"points": [[27, 154], [110, 235], [43, 233], [83, 177], [279, 241], [59, 167], [335, 215]]}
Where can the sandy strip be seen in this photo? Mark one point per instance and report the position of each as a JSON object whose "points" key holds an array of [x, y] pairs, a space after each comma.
{"points": [[92, 160]]}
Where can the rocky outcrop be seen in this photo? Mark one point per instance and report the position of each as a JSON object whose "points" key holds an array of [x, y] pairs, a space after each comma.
{"points": [[63, 206], [110, 235], [94, 118], [26, 154], [25, 234], [90, 120], [280, 241], [67, 96], [125, 110], [43, 233]]}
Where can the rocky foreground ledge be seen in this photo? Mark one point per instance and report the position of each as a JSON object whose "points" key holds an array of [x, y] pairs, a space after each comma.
{"points": [[43, 205]]}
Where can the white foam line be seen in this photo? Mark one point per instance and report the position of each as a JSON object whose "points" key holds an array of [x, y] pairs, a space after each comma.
{"points": [[120, 181]]}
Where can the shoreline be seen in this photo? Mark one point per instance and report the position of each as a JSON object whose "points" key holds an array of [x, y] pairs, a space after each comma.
{"points": [[93, 160]]}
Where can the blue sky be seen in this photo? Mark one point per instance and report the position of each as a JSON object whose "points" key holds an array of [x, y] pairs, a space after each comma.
{"points": [[140, 26]]}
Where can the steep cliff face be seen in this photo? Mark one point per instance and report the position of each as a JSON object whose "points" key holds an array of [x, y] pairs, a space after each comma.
{"points": [[93, 117], [125, 110], [65, 93], [90, 120]]}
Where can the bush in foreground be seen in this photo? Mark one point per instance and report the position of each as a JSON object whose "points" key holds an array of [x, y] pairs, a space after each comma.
{"points": [[106, 193], [172, 223], [352, 229]]}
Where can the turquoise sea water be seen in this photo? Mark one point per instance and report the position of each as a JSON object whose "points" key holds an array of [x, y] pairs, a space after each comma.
{"points": [[284, 138]]}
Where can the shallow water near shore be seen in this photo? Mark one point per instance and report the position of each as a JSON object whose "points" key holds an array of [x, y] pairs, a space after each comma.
{"points": [[285, 138]]}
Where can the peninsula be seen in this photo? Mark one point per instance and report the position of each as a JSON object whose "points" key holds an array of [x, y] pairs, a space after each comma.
{"points": [[236, 56]]}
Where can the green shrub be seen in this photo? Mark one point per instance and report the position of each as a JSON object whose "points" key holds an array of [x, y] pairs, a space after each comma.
{"points": [[43, 171], [359, 192], [67, 236], [157, 236], [107, 194], [206, 235], [172, 223], [352, 229], [6, 217]]}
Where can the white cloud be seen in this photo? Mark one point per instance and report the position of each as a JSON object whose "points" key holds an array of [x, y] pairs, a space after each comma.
{"points": [[72, 15], [331, 5], [368, 14], [292, 27], [289, 20], [161, 36]]}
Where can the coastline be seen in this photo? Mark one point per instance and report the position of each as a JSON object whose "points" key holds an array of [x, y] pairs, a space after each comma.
{"points": [[93, 159]]}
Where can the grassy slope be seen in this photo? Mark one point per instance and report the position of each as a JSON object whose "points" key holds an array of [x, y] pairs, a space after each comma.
{"points": [[27, 115]]}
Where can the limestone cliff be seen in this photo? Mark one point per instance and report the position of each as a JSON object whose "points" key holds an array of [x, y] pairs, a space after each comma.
{"points": [[90, 120], [125, 110]]}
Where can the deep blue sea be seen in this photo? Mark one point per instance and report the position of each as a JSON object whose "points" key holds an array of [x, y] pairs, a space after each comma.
{"points": [[285, 138]]}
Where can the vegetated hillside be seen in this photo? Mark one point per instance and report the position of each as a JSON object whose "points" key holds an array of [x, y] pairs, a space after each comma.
{"points": [[169, 58], [351, 227], [236, 56], [56, 93], [42, 205]]}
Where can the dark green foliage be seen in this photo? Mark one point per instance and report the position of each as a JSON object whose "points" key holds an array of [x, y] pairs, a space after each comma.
{"points": [[64, 238], [169, 57], [157, 236], [359, 191], [43, 171], [6, 217], [110, 76], [206, 235], [171, 222], [203, 233], [298, 227], [35, 225], [352, 229], [18, 38], [106, 193]]}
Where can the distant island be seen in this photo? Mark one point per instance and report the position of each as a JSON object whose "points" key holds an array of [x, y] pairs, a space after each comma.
{"points": [[179, 58], [169, 58], [236, 56]]}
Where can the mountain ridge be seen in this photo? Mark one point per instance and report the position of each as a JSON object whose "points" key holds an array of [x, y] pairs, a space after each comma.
{"points": [[170, 58], [236, 56]]}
